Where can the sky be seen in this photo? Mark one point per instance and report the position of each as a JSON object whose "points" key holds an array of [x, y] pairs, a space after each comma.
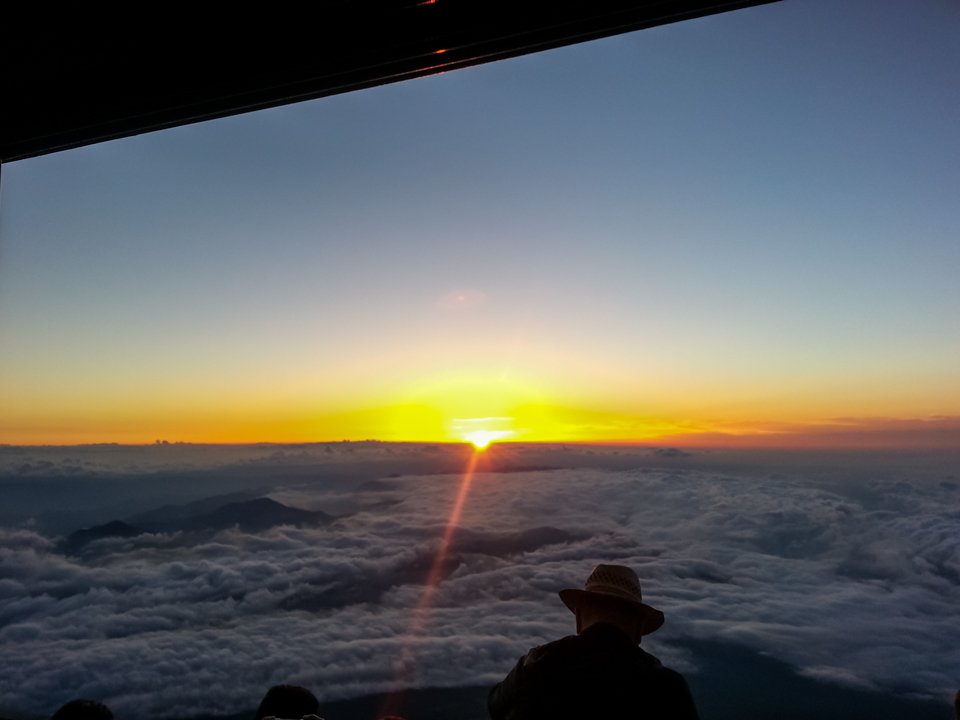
{"points": [[740, 229]]}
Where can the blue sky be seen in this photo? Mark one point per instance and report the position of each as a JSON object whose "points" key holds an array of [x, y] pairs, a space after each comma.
{"points": [[750, 217]]}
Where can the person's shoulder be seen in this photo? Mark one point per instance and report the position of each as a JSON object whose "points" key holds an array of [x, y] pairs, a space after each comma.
{"points": [[511, 697], [655, 664], [540, 652], [668, 676], [671, 675], [652, 660], [668, 679], [552, 647], [672, 691]]}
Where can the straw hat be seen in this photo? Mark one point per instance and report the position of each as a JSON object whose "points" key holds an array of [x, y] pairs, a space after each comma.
{"points": [[614, 581]]}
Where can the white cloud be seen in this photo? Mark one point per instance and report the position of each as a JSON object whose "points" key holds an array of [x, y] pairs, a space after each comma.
{"points": [[864, 592]]}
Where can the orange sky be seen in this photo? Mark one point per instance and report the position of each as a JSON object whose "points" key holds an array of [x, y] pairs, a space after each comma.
{"points": [[526, 423], [639, 239]]}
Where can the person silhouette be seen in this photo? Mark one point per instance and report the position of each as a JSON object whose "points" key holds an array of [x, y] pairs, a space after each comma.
{"points": [[599, 672]]}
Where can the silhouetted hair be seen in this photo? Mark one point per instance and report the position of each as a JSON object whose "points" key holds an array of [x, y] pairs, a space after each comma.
{"points": [[287, 701], [83, 710]]}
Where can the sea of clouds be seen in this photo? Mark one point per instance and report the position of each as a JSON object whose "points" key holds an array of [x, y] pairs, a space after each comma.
{"points": [[859, 588]]}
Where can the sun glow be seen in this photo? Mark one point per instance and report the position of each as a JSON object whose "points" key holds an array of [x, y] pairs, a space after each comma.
{"points": [[482, 438], [482, 431]]}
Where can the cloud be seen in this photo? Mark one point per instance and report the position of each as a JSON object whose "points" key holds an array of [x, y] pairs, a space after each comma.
{"points": [[669, 452], [855, 587], [108, 459]]}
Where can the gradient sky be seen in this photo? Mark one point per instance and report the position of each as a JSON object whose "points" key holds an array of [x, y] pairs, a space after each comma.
{"points": [[737, 224]]}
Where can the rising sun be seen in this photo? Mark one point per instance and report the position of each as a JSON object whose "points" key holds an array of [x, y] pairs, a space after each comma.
{"points": [[482, 438]]}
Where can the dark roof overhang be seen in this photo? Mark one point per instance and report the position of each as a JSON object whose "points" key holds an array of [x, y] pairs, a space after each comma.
{"points": [[86, 78]]}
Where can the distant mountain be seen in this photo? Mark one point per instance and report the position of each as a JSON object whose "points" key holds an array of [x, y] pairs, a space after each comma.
{"points": [[78, 539], [168, 515], [378, 485], [213, 514], [254, 516], [733, 682], [250, 516]]}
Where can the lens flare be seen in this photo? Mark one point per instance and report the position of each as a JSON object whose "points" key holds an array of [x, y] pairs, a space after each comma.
{"points": [[405, 666]]}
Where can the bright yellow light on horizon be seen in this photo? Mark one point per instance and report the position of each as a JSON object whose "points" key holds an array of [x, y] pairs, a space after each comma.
{"points": [[482, 438], [482, 431]]}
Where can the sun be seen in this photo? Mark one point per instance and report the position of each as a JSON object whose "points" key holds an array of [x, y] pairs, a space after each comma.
{"points": [[482, 438], [481, 431]]}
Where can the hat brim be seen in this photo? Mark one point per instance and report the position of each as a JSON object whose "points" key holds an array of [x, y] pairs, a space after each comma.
{"points": [[652, 618]]}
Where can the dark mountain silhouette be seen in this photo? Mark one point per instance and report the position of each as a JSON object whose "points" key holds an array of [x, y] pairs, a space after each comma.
{"points": [[737, 683], [378, 485], [201, 519], [254, 516], [78, 539], [213, 514], [169, 515]]}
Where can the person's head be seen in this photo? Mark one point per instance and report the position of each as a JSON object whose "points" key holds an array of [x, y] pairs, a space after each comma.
{"points": [[287, 701], [594, 610], [612, 595], [83, 710]]}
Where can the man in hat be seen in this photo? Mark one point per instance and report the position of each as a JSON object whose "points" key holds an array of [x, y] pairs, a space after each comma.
{"points": [[600, 672]]}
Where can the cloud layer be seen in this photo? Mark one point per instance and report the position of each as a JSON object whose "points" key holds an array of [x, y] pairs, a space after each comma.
{"points": [[862, 590]]}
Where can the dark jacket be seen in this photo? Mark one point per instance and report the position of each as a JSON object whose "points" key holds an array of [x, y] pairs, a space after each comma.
{"points": [[600, 673]]}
